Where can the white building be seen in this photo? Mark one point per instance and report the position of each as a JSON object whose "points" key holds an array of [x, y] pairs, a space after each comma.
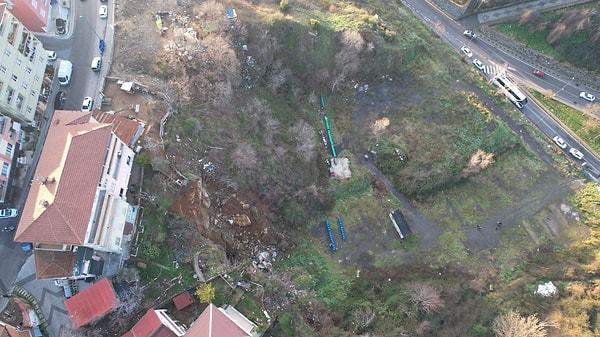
{"points": [[23, 62]]}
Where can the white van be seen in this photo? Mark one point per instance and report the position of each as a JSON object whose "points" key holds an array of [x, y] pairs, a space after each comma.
{"points": [[65, 70]]}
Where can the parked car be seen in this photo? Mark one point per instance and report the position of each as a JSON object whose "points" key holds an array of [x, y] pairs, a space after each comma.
{"points": [[51, 55], [97, 63], [25, 246], [8, 213], [576, 153], [587, 96], [103, 11], [469, 34], [59, 100], [539, 73], [560, 142], [61, 26], [478, 64], [467, 51], [87, 104]]}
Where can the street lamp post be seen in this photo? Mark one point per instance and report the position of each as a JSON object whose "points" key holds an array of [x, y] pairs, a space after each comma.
{"points": [[101, 44], [92, 28], [564, 86]]}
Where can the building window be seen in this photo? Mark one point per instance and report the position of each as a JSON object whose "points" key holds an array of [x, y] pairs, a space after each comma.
{"points": [[7, 52], [14, 78], [3, 69], [5, 168], [9, 94], [28, 70], [128, 160], [29, 110], [9, 150], [37, 78], [25, 86], [18, 62]]}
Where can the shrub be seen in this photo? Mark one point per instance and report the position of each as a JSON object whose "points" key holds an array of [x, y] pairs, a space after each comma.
{"points": [[284, 5]]}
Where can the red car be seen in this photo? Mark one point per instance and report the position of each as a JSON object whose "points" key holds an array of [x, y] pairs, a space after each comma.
{"points": [[538, 73]]}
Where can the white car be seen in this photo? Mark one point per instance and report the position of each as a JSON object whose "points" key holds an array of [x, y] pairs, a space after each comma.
{"points": [[575, 153], [87, 104], [560, 142], [103, 11], [467, 51], [8, 213], [51, 55], [478, 64], [97, 63], [469, 34], [587, 96]]}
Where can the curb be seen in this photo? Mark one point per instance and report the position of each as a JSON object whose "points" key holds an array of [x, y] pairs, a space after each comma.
{"points": [[25, 295]]}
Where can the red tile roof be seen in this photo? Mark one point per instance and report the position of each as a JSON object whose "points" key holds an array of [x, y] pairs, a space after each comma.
{"points": [[52, 264], [125, 128], [214, 323], [150, 325], [182, 300], [92, 303], [59, 211]]}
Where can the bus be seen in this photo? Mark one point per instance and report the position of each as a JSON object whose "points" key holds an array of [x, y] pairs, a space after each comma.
{"points": [[516, 96]]}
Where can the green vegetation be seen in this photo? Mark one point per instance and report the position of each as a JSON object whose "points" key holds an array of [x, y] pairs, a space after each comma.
{"points": [[584, 125], [457, 164], [566, 35], [316, 273]]}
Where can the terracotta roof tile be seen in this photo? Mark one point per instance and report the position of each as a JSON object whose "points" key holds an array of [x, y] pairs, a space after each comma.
{"points": [[182, 300], [126, 129], [150, 325], [59, 211], [52, 264], [214, 323], [92, 303]]}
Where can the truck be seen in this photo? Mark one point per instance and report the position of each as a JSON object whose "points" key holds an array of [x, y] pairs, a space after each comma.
{"points": [[65, 69]]}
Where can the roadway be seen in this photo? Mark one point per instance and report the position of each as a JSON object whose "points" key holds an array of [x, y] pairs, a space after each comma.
{"points": [[517, 69], [80, 46]]}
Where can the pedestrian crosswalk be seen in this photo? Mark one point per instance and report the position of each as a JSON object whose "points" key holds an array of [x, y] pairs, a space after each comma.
{"points": [[493, 70]]}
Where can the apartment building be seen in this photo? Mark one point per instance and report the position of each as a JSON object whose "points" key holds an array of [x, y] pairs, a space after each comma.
{"points": [[34, 14], [23, 63], [77, 202], [10, 136]]}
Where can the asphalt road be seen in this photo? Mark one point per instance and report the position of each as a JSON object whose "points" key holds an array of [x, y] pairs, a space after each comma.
{"points": [[80, 46], [12, 256], [568, 91]]}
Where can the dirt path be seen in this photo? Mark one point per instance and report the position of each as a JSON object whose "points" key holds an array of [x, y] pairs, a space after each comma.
{"points": [[553, 188], [428, 233]]}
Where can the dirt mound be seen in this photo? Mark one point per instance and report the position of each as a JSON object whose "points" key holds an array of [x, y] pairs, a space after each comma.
{"points": [[236, 221]]}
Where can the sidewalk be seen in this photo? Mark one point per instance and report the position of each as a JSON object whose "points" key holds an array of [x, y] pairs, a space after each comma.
{"points": [[516, 10]]}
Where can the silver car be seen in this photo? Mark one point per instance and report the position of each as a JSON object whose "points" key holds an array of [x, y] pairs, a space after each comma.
{"points": [[576, 153], [587, 96], [8, 213]]}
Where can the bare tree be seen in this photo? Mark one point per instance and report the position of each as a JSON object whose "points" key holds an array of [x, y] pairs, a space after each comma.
{"points": [[244, 157], [425, 297], [304, 135], [347, 60], [529, 16], [512, 324], [363, 317]]}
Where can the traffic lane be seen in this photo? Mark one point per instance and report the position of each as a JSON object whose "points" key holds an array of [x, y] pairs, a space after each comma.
{"points": [[567, 89], [551, 128], [11, 256]]}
